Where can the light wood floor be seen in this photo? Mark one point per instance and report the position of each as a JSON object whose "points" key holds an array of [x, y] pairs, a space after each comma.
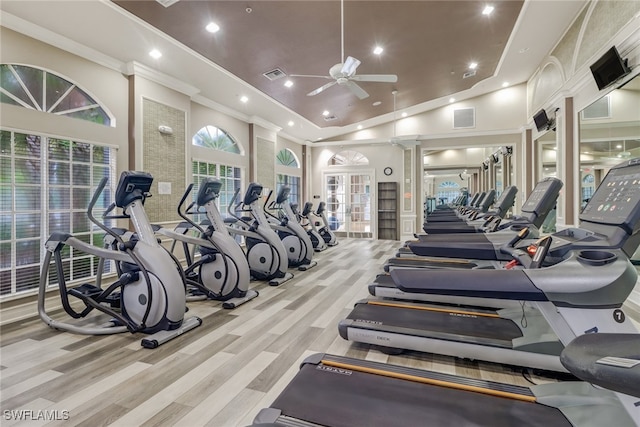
{"points": [[220, 374]]}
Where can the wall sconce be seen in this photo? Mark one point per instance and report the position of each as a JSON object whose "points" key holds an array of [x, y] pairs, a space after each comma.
{"points": [[165, 130]]}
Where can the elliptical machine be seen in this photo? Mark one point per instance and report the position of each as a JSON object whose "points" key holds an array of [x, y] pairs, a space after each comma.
{"points": [[325, 230], [309, 225], [294, 237], [222, 272], [149, 294], [265, 252]]}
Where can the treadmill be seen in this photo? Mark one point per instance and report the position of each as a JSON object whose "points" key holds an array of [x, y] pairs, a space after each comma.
{"points": [[464, 213], [475, 224], [463, 247], [585, 279], [344, 392]]}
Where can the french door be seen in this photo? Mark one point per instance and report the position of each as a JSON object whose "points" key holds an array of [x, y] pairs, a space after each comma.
{"points": [[348, 197]]}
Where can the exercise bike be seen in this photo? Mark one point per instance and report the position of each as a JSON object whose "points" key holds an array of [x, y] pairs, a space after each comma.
{"points": [[149, 294], [222, 271], [294, 237], [265, 252]]}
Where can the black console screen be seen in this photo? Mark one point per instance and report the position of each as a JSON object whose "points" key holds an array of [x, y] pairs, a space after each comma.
{"points": [[616, 201], [545, 193]]}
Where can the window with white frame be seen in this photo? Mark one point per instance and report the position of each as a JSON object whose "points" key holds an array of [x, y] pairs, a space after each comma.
{"points": [[293, 182], [231, 177], [448, 191], [46, 184], [215, 139], [41, 90]]}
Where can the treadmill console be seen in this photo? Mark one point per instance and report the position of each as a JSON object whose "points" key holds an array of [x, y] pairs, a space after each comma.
{"points": [[617, 199], [543, 197]]}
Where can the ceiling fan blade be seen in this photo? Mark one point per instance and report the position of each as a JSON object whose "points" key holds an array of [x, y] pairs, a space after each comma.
{"points": [[311, 75], [357, 90], [385, 78], [349, 66], [321, 88]]}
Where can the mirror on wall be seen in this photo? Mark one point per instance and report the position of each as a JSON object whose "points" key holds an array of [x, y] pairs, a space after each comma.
{"points": [[449, 173], [609, 134], [546, 165]]}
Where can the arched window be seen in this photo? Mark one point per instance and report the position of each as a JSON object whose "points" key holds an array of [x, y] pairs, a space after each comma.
{"points": [[348, 158], [448, 191], [41, 90], [216, 139], [286, 157]]}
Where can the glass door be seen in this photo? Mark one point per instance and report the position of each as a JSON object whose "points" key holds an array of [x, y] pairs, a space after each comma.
{"points": [[348, 197]]}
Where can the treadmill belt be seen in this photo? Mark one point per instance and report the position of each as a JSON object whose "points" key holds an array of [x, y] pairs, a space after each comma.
{"points": [[344, 398], [424, 322], [426, 263]]}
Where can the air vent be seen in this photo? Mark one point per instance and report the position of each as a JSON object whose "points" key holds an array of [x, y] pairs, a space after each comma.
{"points": [[330, 118], [167, 3], [469, 74], [601, 109], [464, 118], [274, 74]]}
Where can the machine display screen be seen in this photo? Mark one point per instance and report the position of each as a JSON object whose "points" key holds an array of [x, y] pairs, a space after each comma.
{"points": [[538, 196], [616, 200]]}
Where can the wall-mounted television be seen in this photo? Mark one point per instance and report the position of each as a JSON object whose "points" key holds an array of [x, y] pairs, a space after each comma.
{"points": [[609, 68], [542, 120]]}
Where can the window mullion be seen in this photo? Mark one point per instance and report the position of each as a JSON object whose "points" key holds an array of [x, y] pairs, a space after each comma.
{"points": [[27, 91]]}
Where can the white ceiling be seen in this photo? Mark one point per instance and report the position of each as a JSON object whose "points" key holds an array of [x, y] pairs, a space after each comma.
{"points": [[105, 33]]}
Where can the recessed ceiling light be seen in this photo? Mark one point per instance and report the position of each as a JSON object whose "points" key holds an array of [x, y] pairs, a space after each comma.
{"points": [[523, 50], [359, 127], [505, 84], [618, 146], [404, 114], [378, 50], [473, 65], [375, 104], [244, 99], [288, 83], [487, 10], [325, 113], [290, 123], [155, 54], [452, 100], [212, 27]]}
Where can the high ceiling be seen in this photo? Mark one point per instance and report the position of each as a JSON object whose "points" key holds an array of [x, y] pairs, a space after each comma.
{"points": [[429, 45]]}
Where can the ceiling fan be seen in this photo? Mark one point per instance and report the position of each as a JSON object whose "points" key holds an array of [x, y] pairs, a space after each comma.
{"points": [[344, 73]]}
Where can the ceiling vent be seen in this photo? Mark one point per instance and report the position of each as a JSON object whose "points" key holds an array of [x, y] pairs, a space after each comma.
{"points": [[469, 74], [167, 3], [464, 118], [275, 74], [601, 109], [330, 118]]}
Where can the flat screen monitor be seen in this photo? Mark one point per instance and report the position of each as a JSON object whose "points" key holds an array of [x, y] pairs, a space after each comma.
{"points": [[541, 120], [609, 69], [617, 199]]}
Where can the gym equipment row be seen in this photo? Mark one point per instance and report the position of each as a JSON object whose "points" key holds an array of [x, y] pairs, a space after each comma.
{"points": [[151, 287], [570, 287]]}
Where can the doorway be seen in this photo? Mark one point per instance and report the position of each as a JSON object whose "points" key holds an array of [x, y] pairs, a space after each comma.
{"points": [[348, 196]]}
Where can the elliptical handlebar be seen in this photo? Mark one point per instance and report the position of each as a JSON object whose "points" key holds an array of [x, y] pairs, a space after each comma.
{"points": [[94, 199], [239, 205], [183, 213]]}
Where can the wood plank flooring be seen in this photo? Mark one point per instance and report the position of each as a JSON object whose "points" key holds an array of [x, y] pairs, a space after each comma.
{"points": [[220, 374]]}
